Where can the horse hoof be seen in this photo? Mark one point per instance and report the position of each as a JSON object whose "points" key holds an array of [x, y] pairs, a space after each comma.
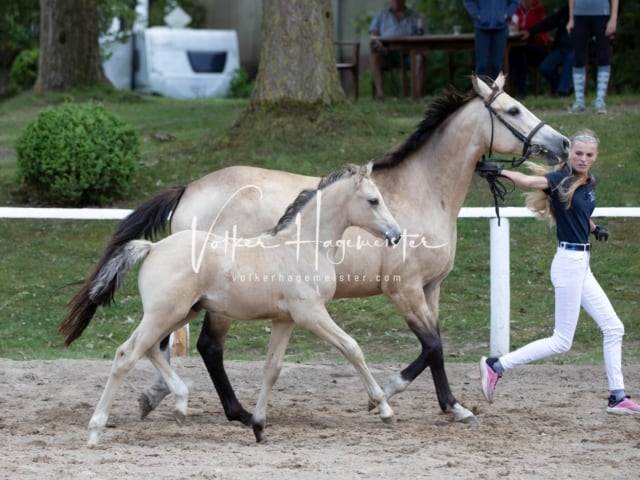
{"points": [[179, 417], [471, 420], [370, 406], [245, 418], [93, 439], [462, 415], [389, 420], [258, 431], [144, 405]]}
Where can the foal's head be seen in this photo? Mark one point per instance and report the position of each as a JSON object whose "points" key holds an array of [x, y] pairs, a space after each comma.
{"points": [[358, 198], [367, 209]]}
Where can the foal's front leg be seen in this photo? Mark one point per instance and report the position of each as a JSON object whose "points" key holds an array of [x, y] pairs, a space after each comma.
{"points": [[280, 334], [317, 319]]}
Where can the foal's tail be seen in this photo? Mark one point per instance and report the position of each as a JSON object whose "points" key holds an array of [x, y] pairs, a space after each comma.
{"points": [[102, 288], [146, 221]]}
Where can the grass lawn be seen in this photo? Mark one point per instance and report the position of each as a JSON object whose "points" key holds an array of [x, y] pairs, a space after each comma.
{"points": [[183, 140]]}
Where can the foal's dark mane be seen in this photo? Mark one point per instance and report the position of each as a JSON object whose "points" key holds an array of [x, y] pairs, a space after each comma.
{"points": [[439, 110], [306, 195]]}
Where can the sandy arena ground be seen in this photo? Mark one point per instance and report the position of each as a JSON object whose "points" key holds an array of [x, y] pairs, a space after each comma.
{"points": [[548, 422]]}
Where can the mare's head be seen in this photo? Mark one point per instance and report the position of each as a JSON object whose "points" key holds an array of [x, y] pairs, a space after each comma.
{"points": [[513, 129], [498, 122]]}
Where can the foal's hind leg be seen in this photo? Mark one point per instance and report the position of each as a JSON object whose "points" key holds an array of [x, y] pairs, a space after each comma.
{"points": [[151, 398], [126, 357], [173, 381], [211, 349]]}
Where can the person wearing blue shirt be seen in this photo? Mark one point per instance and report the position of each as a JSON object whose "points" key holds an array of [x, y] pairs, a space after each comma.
{"points": [[567, 195], [396, 21], [491, 26]]}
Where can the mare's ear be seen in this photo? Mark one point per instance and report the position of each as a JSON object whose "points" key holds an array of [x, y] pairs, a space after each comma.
{"points": [[481, 87], [499, 83]]}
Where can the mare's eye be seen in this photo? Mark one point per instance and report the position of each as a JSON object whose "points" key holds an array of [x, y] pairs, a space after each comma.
{"points": [[373, 201], [513, 111]]}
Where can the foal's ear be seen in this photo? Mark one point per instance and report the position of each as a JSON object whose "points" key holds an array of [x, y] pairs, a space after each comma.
{"points": [[364, 171]]}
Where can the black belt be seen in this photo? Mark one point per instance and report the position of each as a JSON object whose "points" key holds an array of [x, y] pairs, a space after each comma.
{"points": [[578, 247]]}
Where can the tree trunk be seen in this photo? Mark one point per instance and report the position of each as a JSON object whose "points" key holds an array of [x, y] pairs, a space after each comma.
{"points": [[298, 57], [69, 49]]}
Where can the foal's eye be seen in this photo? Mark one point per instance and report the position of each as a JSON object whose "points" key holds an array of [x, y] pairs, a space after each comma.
{"points": [[513, 111], [373, 201]]}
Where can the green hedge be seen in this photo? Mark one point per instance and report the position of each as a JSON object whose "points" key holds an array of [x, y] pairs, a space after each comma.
{"points": [[77, 155]]}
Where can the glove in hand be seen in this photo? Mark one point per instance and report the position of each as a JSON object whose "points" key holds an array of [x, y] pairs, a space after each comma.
{"points": [[485, 170], [601, 233]]}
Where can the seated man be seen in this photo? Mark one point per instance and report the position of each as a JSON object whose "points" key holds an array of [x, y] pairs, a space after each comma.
{"points": [[397, 20]]}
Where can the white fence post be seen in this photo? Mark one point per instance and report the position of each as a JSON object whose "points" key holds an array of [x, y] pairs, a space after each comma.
{"points": [[500, 287]]}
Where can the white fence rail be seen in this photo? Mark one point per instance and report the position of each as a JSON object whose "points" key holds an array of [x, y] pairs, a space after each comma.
{"points": [[499, 239]]}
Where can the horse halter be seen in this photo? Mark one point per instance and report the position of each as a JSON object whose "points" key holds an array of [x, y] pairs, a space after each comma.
{"points": [[528, 148], [497, 188]]}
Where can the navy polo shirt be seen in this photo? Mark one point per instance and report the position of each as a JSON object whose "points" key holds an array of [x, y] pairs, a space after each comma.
{"points": [[572, 224]]}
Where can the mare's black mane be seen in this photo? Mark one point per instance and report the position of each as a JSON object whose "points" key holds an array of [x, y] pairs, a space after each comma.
{"points": [[439, 110]]}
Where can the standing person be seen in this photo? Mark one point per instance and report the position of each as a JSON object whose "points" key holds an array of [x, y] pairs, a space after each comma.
{"points": [[567, 195], [587, 19], [491, 26], [561, 54], [397, 20], [529, 13]]}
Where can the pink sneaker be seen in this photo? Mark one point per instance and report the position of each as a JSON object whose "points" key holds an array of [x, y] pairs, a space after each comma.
{"points": [[489, 379], [624, 407]]}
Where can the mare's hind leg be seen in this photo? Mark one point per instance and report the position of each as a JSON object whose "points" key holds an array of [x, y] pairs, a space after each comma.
{"points": [[318, 320], [151, 398], [211, 349], [280, 334], [420, 310]]}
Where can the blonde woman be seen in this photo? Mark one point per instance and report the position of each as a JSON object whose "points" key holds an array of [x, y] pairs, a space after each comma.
{"points": [[566, 195]]}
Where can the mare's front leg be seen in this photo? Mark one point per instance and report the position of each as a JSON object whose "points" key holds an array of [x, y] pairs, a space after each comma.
{"points": [[280, 334], [317, 319], [211, 349], [420, 310]]}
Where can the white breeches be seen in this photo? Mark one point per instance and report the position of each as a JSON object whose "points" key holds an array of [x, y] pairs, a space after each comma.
{"points": [[575, 287]]}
